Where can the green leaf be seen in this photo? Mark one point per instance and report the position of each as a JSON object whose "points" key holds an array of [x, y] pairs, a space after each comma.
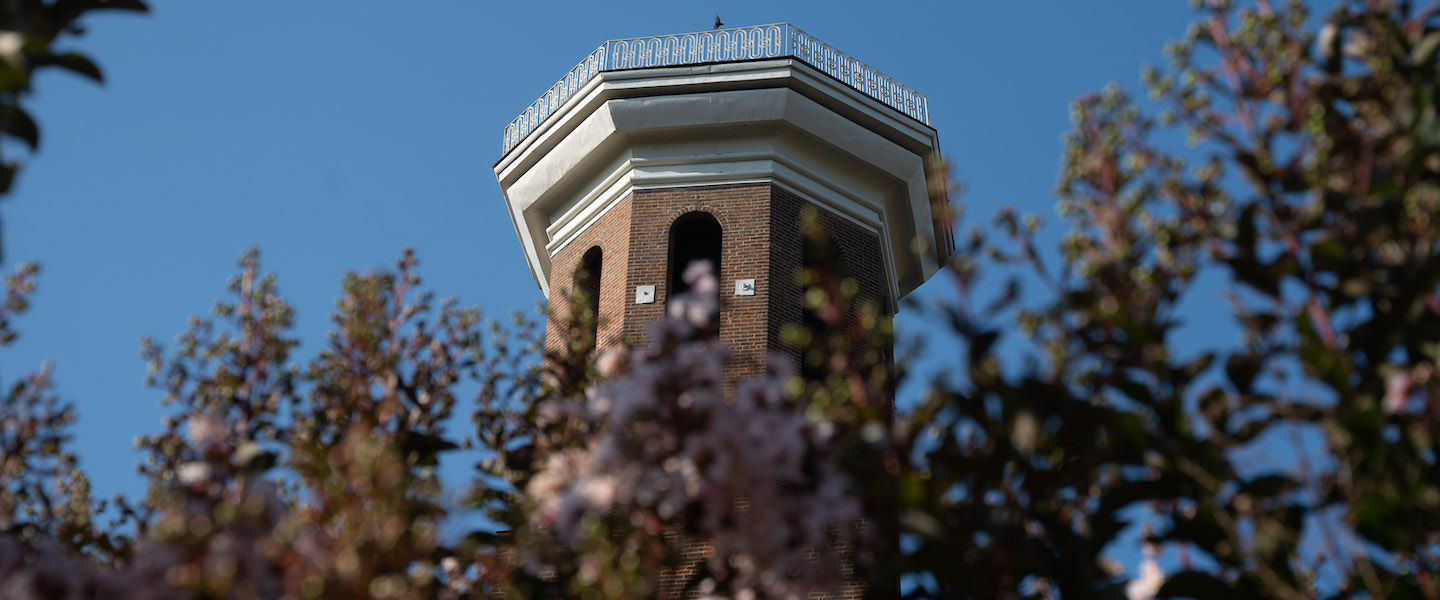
{"points": [[1134, 390], [1214, 406], [1328, 251], [7, 176], [980, 345], [1241, 370], [1194, 584], [16, 122], [425, 445], [1195, 367], [131, 5], [1201, 528], [65, 11], [1269, 486], [76, 63], [261, 462], [1428, 129], [1374, 515], [1424, 52]]}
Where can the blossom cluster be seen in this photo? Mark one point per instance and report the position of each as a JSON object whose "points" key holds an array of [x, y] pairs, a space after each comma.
{"points": [[748, 472]]}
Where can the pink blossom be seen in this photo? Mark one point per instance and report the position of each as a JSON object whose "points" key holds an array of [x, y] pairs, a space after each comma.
{"points": [[193, 473], [1151, 577], [1397, 392], [669, 442], [700, 304], [610, 362], [206, 430]]}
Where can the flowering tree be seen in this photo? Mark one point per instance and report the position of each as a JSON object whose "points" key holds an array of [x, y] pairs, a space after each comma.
{"points": [[656, 456], [1312, 193], [270, 478]]}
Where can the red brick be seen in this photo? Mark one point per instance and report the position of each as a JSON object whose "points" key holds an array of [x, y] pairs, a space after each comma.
{"points": [[761, 240]]}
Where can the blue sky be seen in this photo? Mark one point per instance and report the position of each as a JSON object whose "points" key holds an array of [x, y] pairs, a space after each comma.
{"points": [[332, 135]]}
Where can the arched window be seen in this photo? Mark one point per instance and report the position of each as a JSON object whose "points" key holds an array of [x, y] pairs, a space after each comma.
{"points": [[694, 281], [587, 287]]}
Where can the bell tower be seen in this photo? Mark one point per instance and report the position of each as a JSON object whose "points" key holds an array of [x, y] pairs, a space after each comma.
{"points": [[658, 158], [656, 153]]}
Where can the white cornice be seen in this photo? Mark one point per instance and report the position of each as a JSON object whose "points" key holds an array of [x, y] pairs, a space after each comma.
{"points": [[766, 121], [771, 168]]}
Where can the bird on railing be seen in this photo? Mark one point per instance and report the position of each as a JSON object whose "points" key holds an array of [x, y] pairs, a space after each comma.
{"points": [[718, 24]]}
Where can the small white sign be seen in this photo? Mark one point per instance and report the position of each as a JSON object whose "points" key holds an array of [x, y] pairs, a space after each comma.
{"points": [[744, 287], [644, 294]]}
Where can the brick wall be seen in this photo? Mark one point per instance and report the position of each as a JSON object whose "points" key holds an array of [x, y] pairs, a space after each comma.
{"points": [[859, 256], [761, 240], [611, 233], [743, 214]]}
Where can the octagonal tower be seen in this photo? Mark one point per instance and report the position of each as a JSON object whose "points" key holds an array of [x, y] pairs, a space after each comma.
{"points": [[655, 141], [654, 152]]}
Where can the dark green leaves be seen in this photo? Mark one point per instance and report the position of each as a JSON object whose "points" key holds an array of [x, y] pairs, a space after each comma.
{"points": [[18, 124], [1197, 585], [1324, 412], [76, 63], [35, 28]]}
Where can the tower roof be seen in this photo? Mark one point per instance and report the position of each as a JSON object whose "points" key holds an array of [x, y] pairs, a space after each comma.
{"points": [[757, 42], [767, 103]]}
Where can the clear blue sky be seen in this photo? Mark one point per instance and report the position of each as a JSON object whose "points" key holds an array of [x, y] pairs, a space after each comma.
{"points": [[334, 134]]}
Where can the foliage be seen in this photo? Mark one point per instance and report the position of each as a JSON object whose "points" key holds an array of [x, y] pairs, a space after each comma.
{"points": [[659, 455], [274, 477], [32, 35], [1315, 199], [44, 497]]}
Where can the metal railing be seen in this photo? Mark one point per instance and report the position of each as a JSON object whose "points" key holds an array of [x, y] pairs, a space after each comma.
{"points": [[779, 40]]}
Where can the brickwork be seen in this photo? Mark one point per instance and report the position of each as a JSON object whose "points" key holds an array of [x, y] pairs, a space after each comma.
{"points": [[611, 233], [760, 240], [743, 214], [860, 258]]}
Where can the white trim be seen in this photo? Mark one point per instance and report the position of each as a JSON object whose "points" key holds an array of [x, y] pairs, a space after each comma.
{"points": [[887, 259], [585, 214], [590, 208], [759, 122], [764, 167]]}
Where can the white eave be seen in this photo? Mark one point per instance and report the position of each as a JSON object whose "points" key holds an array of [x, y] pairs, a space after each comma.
{"points": [[778, 121]]}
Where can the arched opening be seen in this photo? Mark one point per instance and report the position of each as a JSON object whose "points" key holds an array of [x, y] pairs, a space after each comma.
{"points": [[694, 288], [587, 289]]}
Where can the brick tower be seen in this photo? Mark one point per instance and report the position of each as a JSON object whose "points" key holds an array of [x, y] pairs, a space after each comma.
{"points": [[656, 152], [653, 152]]}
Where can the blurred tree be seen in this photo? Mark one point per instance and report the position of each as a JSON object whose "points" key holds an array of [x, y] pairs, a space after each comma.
{"points": [[32, 36], [1315, 196]]}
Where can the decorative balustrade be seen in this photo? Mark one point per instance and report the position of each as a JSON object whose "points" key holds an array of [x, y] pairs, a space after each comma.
{"points": [[780, 40]]}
